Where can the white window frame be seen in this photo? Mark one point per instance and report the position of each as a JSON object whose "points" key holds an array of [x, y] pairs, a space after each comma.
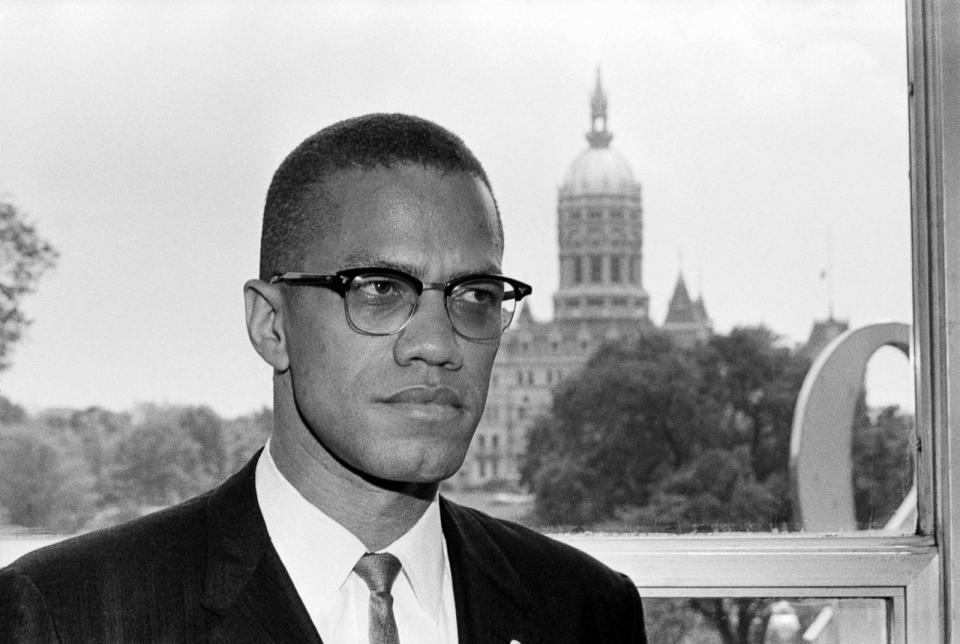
{"points": [[919, 576]]}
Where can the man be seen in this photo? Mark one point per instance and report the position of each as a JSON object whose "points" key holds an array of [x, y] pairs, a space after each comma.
{"points": [[379, 306]]}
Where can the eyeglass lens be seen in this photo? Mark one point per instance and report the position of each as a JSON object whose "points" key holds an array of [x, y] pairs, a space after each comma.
{"points": [[381, 304]]}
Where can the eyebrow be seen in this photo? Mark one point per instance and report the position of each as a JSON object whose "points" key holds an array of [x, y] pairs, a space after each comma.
{"points": [[364, 260]]}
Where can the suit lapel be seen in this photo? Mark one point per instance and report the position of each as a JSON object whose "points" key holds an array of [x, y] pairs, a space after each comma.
{"points": [[248, 587], [246, 583], [492, 603]]}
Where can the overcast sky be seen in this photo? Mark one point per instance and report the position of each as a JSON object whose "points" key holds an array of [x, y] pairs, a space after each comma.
{"points": [[141, 137]]}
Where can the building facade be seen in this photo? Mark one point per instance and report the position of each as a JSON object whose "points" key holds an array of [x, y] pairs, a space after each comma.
{"points": [[600, 298]]}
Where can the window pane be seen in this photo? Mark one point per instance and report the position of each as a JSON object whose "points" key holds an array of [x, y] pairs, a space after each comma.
{"points": [[743, 252], [764, 620], [743, 187]]}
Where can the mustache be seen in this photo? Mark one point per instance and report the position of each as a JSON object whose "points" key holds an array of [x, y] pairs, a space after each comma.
{"points": [[425, 394]]}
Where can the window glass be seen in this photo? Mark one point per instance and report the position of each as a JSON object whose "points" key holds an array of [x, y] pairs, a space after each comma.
{"points": [[615, 269], [596, 268], [767, 619], [757, 153], [753, 245]]}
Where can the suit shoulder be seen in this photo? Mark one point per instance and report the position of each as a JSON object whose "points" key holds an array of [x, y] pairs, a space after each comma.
{"points": [[533, 552], [577, 597], [158, 539]]}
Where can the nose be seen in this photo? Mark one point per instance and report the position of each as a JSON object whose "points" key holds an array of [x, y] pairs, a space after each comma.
{"points": [[429, 336]]}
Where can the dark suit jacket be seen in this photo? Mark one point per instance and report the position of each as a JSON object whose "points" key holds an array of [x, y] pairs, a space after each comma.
{"points": [[205, 570]]}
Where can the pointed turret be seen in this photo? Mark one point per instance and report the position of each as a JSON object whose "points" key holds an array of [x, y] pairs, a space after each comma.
{"points": [[701, 308], [598, 137], [524, 316], [687, 320], [681, 309]]}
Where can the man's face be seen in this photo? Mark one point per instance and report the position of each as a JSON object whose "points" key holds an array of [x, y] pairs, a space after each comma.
{"points": [[401, 407]]}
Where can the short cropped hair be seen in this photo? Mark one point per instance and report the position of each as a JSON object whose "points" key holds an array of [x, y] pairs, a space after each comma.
{"points": [[290, 216]]}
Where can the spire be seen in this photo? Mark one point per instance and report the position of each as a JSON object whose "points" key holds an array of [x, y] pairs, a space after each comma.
{"points": [[524, 315], [598, 135], [681, 308]]}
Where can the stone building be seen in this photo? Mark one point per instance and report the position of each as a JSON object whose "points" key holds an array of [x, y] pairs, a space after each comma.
{"points": [[600, 297], [687, 320], [822, 334]]}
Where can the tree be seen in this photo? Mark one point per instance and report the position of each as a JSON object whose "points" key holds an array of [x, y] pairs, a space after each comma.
{"points": [[882, 463], [205, 427], [24, 258], [655, 437], [668, 438], [615, 430], [162, 459], [10, 412], [245, 435], [44, 479], [99, 433]]}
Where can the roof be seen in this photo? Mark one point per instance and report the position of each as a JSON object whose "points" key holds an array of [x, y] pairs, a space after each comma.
{"points": [[682, 309], [599, 170]]}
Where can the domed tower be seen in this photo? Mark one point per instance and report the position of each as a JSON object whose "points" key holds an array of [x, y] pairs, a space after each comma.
{"points": [[600, 237]]}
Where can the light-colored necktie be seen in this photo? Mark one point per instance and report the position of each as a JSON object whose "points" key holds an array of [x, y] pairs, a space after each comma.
{"points": [[379, 571]]}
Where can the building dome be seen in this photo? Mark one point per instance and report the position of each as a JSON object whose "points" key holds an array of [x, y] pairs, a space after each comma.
{"points": [[598, 170]]}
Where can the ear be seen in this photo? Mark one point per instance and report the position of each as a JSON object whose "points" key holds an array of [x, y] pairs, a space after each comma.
{"points": [[264, 304]]}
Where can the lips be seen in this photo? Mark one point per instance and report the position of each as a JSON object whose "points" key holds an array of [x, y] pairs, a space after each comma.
{"points": [[424, 395]]}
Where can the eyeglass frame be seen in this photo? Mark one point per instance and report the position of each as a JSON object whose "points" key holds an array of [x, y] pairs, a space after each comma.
{"points": [[340, 281]]}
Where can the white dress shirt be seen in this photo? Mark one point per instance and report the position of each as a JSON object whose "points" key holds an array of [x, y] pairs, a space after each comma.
{"points": [[319, 555]]}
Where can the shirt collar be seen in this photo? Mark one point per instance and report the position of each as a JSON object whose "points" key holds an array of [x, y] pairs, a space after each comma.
{"points": [[319, 553]]}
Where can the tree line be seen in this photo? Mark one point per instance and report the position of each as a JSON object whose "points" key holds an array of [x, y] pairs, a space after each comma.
{"points": [[70, 470]]}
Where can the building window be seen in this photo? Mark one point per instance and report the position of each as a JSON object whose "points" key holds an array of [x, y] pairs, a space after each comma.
{"points": [[596, 269], [578, 270], [481, 441], [615, 269], [595, 214], [495, 442]]}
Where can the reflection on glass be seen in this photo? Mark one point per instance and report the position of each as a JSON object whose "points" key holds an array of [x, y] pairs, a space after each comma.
{"points": [[765, 620]]}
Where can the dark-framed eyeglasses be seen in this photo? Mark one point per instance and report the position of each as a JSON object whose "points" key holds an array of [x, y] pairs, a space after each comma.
{"points": [[381, 301]]}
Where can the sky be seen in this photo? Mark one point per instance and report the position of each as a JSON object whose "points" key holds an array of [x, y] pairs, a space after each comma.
{"points": [[770, 140]]}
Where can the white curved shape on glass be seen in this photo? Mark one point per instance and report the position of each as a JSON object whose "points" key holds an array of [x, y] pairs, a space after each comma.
{"points": [[821, 463]]}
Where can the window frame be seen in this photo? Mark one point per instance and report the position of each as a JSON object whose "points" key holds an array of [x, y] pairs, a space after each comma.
{"points": [[918, 575]]}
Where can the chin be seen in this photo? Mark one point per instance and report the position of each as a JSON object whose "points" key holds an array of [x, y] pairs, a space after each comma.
{"points": [[431, 468]]}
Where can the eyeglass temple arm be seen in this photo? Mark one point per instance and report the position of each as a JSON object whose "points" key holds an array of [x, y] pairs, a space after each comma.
{"points": [[335, 282], [521, 291]]}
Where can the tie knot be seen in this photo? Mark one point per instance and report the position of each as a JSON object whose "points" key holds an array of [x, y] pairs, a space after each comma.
{"points": [[378, 570]]}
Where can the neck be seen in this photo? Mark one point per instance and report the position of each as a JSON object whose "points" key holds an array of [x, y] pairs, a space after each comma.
{"points": [[376, 512]]}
